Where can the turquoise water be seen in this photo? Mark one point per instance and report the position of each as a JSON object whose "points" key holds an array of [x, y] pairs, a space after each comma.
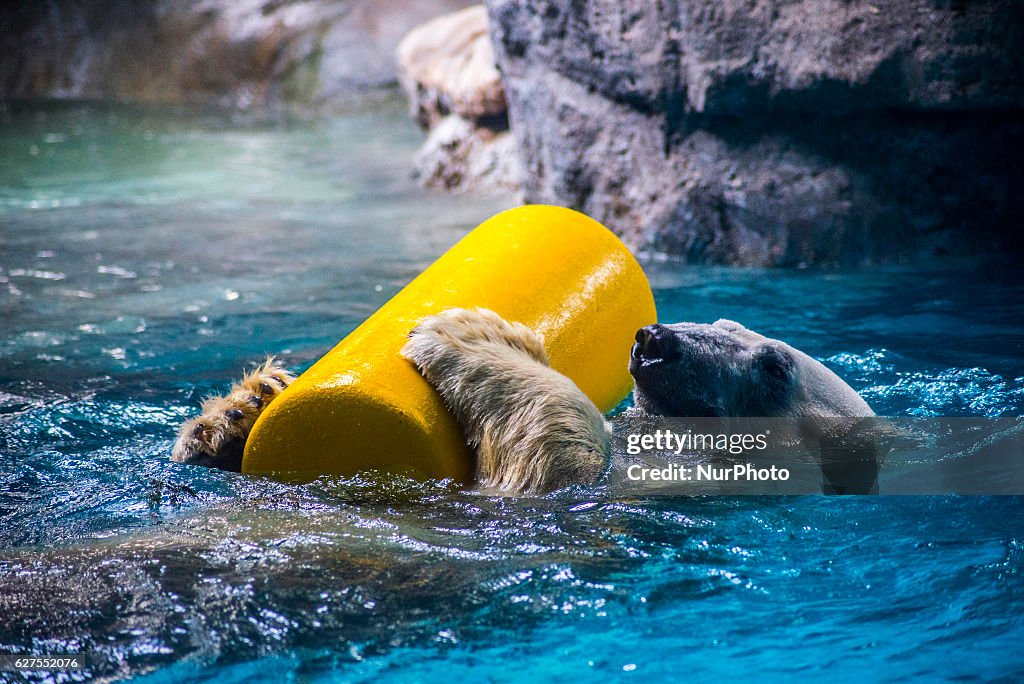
{"points": [[148, 255]]}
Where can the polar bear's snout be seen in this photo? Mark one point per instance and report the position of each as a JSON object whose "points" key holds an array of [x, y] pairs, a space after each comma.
{"points": [[680, 369], [655, 343]]}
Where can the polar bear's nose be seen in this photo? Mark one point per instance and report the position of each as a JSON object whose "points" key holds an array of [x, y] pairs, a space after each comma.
{"points": [[655, 343]]}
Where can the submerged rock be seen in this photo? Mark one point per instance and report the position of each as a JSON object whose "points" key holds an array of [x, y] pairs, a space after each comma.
{"points": [[773, 133], [447, 70], [253, 52]]}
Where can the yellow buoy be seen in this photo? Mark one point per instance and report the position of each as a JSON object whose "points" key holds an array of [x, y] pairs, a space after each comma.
{"points": [[363, 406]]}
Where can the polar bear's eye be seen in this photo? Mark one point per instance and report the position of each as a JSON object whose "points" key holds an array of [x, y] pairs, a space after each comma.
{"points": [[774, 363]]}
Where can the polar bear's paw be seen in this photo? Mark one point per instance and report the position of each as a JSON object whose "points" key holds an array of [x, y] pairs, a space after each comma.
{"points": [[216, 438], [531, 427]]}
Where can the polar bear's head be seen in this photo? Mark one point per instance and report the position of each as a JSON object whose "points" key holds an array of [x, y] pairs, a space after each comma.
{"points": [[723, 369]]}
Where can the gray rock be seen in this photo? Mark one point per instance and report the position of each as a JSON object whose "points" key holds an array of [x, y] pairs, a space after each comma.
{"points": [[461, 156], [772, 133], [250, 52]]}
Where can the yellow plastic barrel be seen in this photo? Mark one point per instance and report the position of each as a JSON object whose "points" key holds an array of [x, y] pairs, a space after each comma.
{"points": [[363, 406]]}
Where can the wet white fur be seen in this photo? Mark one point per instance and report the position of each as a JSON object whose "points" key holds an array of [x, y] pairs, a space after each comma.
{"points": [[532, 428], [817, 391]]}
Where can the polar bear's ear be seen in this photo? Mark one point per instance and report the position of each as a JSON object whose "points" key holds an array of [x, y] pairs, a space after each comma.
{"points": [[728, 326], [745, 335]]}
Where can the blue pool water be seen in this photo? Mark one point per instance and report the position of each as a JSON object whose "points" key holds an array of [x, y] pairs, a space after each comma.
{"points": [[148, 255]]}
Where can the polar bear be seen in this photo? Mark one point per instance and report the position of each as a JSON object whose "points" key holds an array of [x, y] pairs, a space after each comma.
{"points": [[533, 430]]}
